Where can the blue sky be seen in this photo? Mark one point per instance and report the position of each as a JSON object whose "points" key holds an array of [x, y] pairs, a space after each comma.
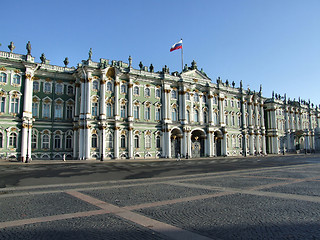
{"points": [[275, 43]]}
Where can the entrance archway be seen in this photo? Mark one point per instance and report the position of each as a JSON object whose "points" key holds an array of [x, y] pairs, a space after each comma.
{"points": [[176, 136], [197, 143], [217, 142]]}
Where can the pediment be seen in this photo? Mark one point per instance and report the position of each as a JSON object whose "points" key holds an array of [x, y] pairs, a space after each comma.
{"points": [[195, 74]]}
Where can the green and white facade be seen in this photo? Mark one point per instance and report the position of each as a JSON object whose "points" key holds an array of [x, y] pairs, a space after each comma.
{"points": [[108, 109]]}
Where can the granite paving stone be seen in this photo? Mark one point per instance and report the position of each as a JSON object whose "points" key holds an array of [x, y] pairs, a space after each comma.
{"points": [[31, 206], [104, 227], [241, 216], [126, 196]]}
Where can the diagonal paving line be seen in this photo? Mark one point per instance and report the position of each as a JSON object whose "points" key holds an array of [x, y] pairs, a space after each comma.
{"points": [[154, 225], [21, 222]]}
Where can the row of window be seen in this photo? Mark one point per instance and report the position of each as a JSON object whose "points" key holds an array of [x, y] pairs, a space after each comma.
{"points": [[16, 78], [58, 110], [47, 88], [12, 140], [14, 104]]}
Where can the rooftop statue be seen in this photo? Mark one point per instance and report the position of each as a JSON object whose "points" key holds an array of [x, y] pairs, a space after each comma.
{"points": [[28, 47], [90, 54], [11, 47], [66, 61], [43, 58]]}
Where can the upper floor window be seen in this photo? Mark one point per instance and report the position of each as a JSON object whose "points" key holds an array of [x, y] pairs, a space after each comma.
{"points": [[196, 97], [69, 112], [35, 109], [187, 96], [204, 99], [2, 104], [136, 112], [95, 85], [14, 105], [46, 110], [58, 110], [158, 93], [70, 90], [3, 77], [174, 94], [16, 79], [158, 114], [109, 86], [59, 88], [215, 100], [109, 110], [226, 103], [122, 111], [136, 90], [36, 86], [196, 116], [238, 104], [147, 92], [123, 88], [94, 109], [232, 103], [47, 87], [174, 114], [147, 113]]}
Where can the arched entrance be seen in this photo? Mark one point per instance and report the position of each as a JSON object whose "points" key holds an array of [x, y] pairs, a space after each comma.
{"points": [[197, 143], [217, 142], [176, 136]]}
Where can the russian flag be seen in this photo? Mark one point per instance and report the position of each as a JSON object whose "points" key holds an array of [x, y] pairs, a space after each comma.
{"points": [[176, 46]]}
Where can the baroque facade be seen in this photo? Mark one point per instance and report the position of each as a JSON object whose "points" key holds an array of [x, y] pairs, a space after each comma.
{"points": [[108, 109]]}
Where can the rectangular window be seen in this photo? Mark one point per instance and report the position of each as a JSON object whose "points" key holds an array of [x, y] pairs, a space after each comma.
{"points": [[158, 112], [46, 110], [136, 112], [94, 109], [59, 88], [58, 111], [35, 106], [47, 87], [2, 104], [123, 111], [14, 105], [69, 112]]}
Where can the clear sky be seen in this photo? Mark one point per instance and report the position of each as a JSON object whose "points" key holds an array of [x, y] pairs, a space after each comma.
{"points": [[275, 43]]}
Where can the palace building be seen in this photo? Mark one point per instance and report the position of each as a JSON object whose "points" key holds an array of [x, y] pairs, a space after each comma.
{"points": [[109, 110]]}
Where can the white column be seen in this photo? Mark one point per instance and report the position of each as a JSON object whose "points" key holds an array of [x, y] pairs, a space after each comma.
{"points": [[200, 110], [191, 109], [88, 95], [81, 143], [210, 99], [76, 106], [224, 144], [130, 142], [103, 96], [103, 145], [87, 143], [164, 104], [169, 104], [116, 142], [189, 143], [24, 141], [184, 143], [168, 142], [221, 111], [116, 98], [164, 147], [130, 100], [75, 143]]}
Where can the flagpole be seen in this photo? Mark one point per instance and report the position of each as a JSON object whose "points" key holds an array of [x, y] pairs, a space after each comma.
{"points": [[182, 56]]}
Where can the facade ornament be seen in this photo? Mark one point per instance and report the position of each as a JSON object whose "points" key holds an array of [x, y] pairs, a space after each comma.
{"points": [[90, 54], [11, 47], [151, 68], [194, 65], [28, 47], [43, 58], [130, 61], [140, 66], [66, 61]]}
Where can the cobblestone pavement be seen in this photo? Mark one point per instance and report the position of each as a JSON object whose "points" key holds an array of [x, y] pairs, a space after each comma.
{"points": [[268, 203]]}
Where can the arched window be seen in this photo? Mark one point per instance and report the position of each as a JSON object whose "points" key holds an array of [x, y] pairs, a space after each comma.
{"points": [[109, 110], [158, 142], [174, 94], [158, 114], [1, 140], [36, 87], [148, 141], [136, 141], [158, 93], [94, 109], [174, 114], [13, 140], [45, 141], [123, 111], [196, 97], [187, 96], [147, 92], [123, 88], [35, 109], [57, 141], [95, 85], [3, 77], [34, 139], [94, 140], [136, 110], [147, 112], [14, 105], [215, 118], [123, 141], [205, 117], [16, 79], [196, 116], [136, 90], [58, 110], [109, 86], [68, 141], [109, 140], [188, 115]]}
